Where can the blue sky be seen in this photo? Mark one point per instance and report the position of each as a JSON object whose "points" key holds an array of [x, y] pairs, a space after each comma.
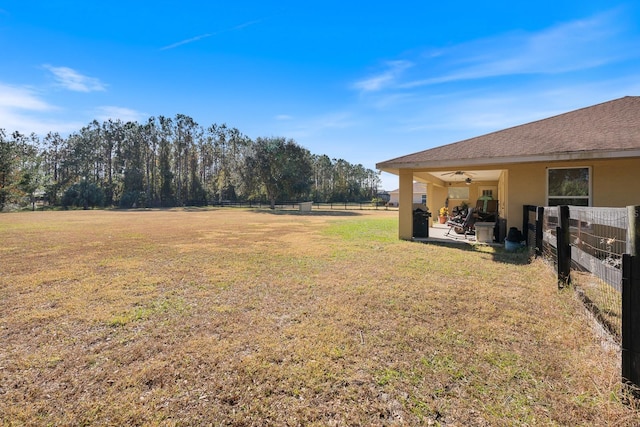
{"points": [[362, 81]]}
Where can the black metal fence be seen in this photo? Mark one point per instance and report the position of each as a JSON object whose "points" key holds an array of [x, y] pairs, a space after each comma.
{"points": [[595, 250], [295, 205]]}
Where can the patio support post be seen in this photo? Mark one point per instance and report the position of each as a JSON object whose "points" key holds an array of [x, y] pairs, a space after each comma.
{"points": [[631, 304], [433, 208], [405, 208]]}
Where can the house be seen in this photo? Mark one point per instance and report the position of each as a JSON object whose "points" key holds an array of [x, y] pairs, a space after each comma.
{"points": [[419, 194], [586, 157]]}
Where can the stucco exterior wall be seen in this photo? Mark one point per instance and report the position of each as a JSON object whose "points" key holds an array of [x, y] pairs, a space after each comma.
{"points": [[526, 186], [614, 183]]}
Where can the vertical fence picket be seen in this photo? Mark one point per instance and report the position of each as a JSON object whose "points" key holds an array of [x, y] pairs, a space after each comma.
{"points": [[539, 228]]}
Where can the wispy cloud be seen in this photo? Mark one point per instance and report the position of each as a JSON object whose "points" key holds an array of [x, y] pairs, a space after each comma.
{"points": [[23, 110], [571, 46], [21, 98], [246, 24], [72, 80], [284, 117], [319, 124], [384, 79], [187, 41], [207, 35], [566, 47]]}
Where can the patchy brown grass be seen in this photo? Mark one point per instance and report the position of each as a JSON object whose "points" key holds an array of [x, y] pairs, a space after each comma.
{"points": [[236, 317]]}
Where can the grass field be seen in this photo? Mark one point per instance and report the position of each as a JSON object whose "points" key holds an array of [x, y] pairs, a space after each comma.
{"points": [[248, 318]]}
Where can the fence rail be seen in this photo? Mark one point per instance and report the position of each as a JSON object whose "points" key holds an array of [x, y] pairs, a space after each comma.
{"points": [[594, 249]]}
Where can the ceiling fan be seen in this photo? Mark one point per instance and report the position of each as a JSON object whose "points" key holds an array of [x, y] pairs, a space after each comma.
{"points": [[460, 173]]}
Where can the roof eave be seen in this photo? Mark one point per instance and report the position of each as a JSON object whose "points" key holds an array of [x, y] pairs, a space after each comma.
{"points": [[394, 167]]}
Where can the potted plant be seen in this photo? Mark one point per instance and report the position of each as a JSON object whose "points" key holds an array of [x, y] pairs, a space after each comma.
{"points": [[443, 214]]}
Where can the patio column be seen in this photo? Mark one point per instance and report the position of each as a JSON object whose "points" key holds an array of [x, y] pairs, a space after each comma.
{"points": [[431, 207], [405, 200]]}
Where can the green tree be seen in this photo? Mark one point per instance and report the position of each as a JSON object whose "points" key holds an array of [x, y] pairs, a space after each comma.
{"points": [[112, 137], [83, 194], [283, 168], [51, 165], [8, 167], [20, 174], [187, 131], [133, 148], [167, 195], [31, 179]]}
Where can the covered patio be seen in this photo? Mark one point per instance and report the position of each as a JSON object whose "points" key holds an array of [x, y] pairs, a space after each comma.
{"points": [[454, 189], [441, 233]]}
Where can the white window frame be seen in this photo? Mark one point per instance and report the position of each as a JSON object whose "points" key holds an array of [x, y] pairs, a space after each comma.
{"points": [[589, 197]]}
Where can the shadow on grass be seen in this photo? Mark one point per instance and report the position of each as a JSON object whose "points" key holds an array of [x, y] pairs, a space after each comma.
{"points": [[335, 213], [520, 257], [166, 209], [499, 253]]}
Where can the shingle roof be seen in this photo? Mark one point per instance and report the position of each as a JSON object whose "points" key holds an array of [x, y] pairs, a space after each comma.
{"points": [[612, 126]]}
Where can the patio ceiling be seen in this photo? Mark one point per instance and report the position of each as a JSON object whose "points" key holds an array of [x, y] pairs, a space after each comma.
{"points": [[461, 175]]}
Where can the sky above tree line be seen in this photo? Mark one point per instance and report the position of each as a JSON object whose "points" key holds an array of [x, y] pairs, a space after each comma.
{"points": [[365, 82]]}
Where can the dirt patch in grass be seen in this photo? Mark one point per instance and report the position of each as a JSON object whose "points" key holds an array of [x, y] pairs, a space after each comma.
{"points": [[236, 317]]}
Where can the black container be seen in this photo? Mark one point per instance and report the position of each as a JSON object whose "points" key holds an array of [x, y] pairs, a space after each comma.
{"points": [[421, 223], [514, 235]]}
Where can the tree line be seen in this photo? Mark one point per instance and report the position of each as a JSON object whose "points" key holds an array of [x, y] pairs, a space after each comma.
{"points": [[170, 162]]}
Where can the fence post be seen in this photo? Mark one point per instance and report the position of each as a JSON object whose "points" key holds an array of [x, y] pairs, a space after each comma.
{"points": [[539, 223], [633, 230], [525, 223], [631, 322], [631, 304], [564, 247]]}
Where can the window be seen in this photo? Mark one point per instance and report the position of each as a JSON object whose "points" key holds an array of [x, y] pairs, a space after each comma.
{"points": [[569, 186], [461, 193], [424, 199]]}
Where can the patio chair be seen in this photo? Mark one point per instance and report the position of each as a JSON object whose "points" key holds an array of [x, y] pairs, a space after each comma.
{"points": [[463, 225]]}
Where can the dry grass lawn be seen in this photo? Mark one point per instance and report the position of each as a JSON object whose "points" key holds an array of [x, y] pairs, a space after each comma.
{"points": [[257, 318]]}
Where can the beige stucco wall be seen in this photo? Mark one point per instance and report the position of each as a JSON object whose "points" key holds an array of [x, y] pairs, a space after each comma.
{"points": [[616, 184], [526, 186]]}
